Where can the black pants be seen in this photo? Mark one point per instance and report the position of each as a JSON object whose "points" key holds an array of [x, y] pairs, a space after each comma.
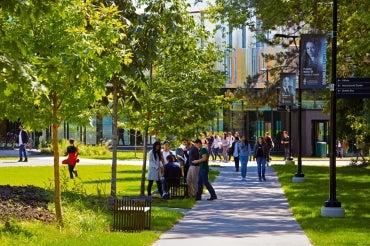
{"points": [[236, 160], [71, 170], [159, 186]]}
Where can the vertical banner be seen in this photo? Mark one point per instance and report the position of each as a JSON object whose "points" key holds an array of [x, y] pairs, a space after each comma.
{"points": [[287, 89], [313, 61]]}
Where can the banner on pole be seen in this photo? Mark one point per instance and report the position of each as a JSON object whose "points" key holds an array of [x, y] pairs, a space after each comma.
{"points": [[287, 95], [313, 61]]}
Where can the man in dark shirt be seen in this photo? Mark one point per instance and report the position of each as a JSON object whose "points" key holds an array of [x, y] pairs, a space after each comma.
{"points": [[22, 141], [203, 172], [171, 176]]}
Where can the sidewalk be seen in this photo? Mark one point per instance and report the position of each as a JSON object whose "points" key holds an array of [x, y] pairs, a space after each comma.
{"points": [[245, 213]]}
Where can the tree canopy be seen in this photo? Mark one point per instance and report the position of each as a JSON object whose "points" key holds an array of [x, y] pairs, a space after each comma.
{"points": [[55, 64], [313, 16]]}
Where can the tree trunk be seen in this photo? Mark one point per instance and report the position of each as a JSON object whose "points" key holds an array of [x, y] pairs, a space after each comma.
{"points": [[143, 172], [57, 192], [113, 189]]}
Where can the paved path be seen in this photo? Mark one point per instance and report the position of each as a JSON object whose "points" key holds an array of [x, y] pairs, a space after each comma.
{"points": [[245, 213]]}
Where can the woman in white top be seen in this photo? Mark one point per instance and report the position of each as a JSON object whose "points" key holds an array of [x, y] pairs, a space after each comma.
{"points": [[155, 168], [216, 147]]}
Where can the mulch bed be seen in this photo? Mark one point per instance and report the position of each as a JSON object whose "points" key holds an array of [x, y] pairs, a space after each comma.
{"points": [[24, 203]]}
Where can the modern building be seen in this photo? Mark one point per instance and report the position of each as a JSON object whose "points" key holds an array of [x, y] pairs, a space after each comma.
{"points": [[243, 58]]}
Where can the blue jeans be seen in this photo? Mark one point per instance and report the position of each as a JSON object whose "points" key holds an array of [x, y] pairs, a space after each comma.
{"points": [[203, 180], [22, 149], [261, 167], [243, 166]]}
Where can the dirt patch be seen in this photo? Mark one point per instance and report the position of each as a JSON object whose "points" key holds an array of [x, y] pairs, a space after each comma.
{"points": [[24, 203]]}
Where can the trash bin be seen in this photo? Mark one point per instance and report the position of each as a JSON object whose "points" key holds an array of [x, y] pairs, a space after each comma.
{"points": [[321, 149]]}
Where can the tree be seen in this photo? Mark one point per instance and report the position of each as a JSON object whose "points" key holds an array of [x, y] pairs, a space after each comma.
{"points": [[64, 57], [297, 17], [165, 44]]}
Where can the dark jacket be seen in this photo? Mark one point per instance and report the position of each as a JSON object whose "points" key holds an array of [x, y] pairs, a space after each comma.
{"points": [[193, 154], [260, 149], [24, 135], [172, 171]]}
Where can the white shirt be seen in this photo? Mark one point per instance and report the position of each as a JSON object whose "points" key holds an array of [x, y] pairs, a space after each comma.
{"points": [[20, 138], [165, 154]]}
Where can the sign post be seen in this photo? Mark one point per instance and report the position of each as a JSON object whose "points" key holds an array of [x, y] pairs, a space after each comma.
{"points": [[353, 88]]}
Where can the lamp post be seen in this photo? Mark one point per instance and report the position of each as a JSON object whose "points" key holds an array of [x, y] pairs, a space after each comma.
{"points": [[299, 175], [287, 109], [267, 84], [332, 207]]}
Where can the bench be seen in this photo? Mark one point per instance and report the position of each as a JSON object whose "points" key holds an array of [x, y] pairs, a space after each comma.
{"points": [[177, 189], [132, 213]]}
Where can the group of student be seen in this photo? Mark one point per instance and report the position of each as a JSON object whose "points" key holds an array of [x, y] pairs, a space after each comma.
{"points": [[190, 162]]}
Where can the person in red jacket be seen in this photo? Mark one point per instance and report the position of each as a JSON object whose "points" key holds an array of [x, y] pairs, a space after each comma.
{"points": [[72, 152]]}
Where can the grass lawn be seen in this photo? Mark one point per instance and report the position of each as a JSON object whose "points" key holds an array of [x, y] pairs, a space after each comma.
{"points": [[306, 200], [86, 217]]}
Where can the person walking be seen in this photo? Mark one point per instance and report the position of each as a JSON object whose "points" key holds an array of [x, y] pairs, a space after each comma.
{"points": [[72, 153], [260, 155], [270, 146], [285, 141], [244, 151], [193, 172], [216, 147], [22, 143], [225, 145], [155, 168], [230, 150], [210, 140], [202, 162], [236, 153]]}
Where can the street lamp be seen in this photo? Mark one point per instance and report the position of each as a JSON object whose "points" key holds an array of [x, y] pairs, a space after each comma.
{"points": [[272, 111], [332, 207], [299, 175], [287, 109]]}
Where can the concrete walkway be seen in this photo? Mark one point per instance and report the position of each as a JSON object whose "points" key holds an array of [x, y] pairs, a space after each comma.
{"points": [[245, 213]]}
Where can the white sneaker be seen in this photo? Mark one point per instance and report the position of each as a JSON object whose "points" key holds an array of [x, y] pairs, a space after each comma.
{"points": [[242, 179]]}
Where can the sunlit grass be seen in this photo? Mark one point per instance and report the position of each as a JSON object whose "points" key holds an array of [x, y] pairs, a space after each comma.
{"points": [[307, 198], [86, 217]]}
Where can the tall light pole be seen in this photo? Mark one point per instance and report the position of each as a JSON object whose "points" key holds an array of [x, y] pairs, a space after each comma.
{"points": [[299, 175], [332, 207], [266, 70]]}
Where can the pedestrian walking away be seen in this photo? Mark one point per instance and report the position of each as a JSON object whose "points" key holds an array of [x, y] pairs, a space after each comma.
{"points": [[244, 151], [270, 146]]}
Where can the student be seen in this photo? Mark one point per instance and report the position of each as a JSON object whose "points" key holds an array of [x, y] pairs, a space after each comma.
{"points": [[244, 151], [285, 141], [202, 162], [260, 155], [23, 141], [72, 152], [171, 175], [155, 168]]}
